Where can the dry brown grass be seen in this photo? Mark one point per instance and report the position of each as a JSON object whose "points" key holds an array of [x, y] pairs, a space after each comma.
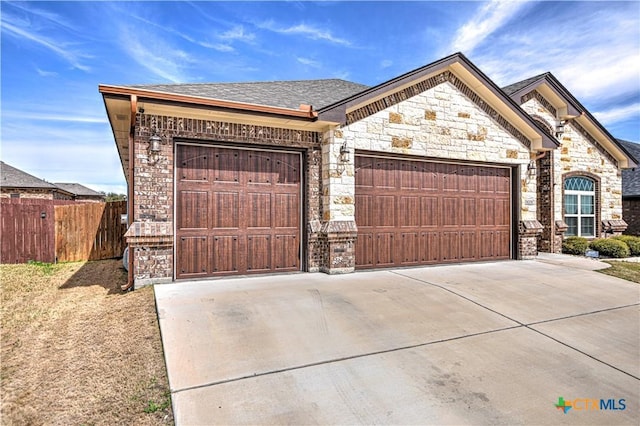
{"points": [[76, 350]]}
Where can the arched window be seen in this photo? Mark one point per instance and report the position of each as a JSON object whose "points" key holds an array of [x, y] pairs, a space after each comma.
{"points": [[579, 206]]}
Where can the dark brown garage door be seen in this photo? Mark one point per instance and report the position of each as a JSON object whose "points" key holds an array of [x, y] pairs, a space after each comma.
{"points": [[415, 213], [238, 211]]}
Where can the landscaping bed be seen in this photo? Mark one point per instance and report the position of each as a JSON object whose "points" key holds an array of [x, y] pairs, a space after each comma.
{"points": [[76, 350]]}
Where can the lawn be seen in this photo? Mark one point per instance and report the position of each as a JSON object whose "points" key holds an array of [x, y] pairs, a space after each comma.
{"points": [[626, 270], [76, 350]]}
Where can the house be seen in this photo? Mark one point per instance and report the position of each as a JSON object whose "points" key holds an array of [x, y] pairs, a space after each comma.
{"points": [[14, 183], [81, 192], [437, 165], [631, 191]]}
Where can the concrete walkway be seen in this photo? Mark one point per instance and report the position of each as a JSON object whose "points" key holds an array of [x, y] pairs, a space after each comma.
{"points": [[478, 343]]}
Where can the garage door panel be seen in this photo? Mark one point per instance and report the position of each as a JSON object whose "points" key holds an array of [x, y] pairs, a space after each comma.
{"points": [[249, 212], [193, 164], [365, 248], [468, 246], [193, 256], [364, 211], [288, 209], [385, 249], [430, 247], [225, 254], [385, 174], [259, 168], [385, 210], [226, 210], [193, 210], [430, 212], [285, 253], [450, 246], [410, 248], [259, 253], [450, 211], [258, 213], [226, 166], [285, 171], [409, 212]]}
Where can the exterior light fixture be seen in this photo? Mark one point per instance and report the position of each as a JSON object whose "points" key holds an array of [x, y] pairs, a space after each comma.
{"points": [[154, 143], [531, 168], [560, 127], [344, 153]]}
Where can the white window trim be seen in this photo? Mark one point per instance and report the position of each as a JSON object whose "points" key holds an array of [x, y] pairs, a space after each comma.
{"points": [[580, 215]]}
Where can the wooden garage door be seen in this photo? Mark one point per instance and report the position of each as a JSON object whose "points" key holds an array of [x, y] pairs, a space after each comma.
{"points": [[415, 213], [237, 211]]}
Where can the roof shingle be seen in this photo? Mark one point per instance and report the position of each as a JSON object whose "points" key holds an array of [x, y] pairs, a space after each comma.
{"points": [[11, 177], [631, 177], [282, 94]]}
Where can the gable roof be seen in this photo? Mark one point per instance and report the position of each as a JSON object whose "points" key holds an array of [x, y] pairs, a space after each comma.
{"points": [[282, 94], [569, 108], [11, 177], [463, 69], [631, 177], [79, 190]]}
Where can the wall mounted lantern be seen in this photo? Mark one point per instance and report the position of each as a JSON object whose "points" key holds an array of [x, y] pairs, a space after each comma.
{"points": [[560, 128], [154, 143], [344, 153], [531, 168]]}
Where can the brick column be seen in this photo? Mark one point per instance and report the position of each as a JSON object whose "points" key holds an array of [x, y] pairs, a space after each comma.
{"points": [[338, 243], [151, 246], [558, 236], [528, 238]]}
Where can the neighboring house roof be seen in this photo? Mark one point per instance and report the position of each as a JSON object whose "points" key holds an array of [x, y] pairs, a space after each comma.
{"points": [[282, 94], [11, 177], [79, 190], [631, 177], [569, 107]]}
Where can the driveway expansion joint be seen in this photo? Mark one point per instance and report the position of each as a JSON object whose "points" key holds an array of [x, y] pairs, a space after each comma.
{"points": [[528, 326], [337, 360]]}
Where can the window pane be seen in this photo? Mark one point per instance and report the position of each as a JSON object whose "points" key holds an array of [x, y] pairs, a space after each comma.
{"points": [[579, 184], [571, 204], [586, 204], [573, 226], [586, 227]]}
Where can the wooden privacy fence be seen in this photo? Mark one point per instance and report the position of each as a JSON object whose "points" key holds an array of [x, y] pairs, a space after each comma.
{"points": [[67, 232]]}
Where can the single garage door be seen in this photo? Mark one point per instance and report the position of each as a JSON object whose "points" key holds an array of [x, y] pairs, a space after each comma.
{"points": [[416, 212], [237, 211]]}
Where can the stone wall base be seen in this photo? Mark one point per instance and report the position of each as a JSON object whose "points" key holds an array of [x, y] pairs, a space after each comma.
{"points": [[337, 242], [528, 231]]}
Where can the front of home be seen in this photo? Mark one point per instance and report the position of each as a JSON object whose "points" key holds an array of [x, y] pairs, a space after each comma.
{"points": [[438, 165]]}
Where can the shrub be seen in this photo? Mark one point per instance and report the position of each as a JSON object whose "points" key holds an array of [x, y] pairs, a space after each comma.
{"points": [[610, 247], [632, 241], [575, 245]]}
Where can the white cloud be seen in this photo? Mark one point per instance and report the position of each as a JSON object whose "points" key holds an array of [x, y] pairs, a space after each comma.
{"points": [[58, 47], [386, 63], [43, 73], [487, 20], [237, 33], [309, 62], [618, 114], [156, 55], [305, 30]]}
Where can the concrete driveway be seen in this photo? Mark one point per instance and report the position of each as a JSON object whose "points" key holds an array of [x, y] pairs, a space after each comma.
{"points": [[491, 343]]}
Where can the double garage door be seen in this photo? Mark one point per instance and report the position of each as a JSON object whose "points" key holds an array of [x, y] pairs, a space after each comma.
{"points": [[417, 213], [239, 212]]}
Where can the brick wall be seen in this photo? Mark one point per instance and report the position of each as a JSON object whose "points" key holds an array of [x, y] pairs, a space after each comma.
{"points": [[154, 182], [631, 215]]}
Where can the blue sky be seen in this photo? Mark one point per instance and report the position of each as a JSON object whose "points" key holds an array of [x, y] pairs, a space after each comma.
{"points": [[54, 55]]}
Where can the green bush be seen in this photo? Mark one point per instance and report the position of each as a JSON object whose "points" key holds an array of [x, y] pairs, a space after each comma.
{"points": [[610, 247], [632, 241], [575, 245]]}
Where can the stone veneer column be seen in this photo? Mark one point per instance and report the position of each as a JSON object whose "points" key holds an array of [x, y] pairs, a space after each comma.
{"points": [[338, 231], [561, 228], [528, 232], [544, 199]]}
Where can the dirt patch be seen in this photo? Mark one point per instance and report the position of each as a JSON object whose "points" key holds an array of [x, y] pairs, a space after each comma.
{"points": [[76, 350]]}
